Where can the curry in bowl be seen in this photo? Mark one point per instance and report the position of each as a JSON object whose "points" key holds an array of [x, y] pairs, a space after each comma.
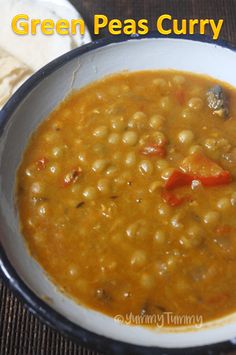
{"points": [[126, 195]]}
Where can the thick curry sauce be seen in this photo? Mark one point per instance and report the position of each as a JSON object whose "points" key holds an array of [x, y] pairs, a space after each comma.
{"points": [[127, 195]]}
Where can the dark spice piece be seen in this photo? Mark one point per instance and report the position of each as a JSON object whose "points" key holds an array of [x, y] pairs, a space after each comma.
{"points": [[80, 204]]}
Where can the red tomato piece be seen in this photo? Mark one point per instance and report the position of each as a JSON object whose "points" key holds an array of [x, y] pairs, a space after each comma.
{"points": [[222, 178], [224, 229], [180, 96], [154, 150], [218, 298], [178, 179], [41, 163], [72, 176], [198, 167], [198, 164]]}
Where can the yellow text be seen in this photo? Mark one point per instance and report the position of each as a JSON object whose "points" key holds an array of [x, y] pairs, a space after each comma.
{"points": [[166, 25], [117, 27], [23, 25]]}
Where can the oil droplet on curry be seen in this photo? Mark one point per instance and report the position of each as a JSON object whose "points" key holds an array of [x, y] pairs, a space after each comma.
{"points": [[127, 195]]}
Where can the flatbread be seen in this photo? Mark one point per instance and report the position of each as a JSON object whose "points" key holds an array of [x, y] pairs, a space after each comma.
{"points": [[12, 74], [23, 55], [34, 51]]}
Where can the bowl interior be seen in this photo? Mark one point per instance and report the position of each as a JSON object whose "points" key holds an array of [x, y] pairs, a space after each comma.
{"points": [[37, 100]]}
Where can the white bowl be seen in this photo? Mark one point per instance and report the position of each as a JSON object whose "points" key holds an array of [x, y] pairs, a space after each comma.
{"points": [[29, 106]]}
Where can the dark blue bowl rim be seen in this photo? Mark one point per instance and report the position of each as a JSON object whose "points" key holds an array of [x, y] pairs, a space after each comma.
{"points": [[37, 306]]}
